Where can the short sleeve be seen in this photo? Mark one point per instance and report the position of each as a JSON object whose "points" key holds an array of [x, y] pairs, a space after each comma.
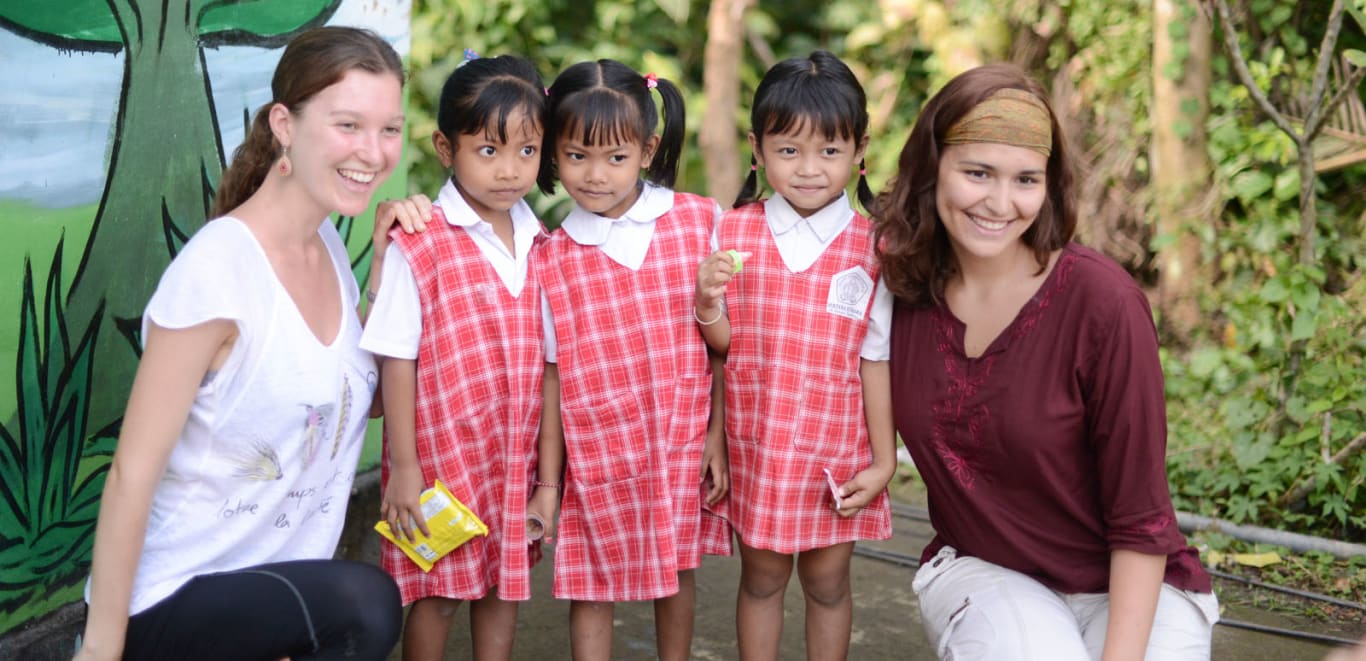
{"points": [[877, 344], [548, 322], [394, 327], [209, 279], [716, 227]]}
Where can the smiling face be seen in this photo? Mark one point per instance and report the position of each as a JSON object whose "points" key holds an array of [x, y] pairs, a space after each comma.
{"points": [[602, 178], [493, 174], [809, 169], [345, 141], [988, 195]]}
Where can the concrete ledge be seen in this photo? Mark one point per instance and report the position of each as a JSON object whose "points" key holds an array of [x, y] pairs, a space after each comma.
{"points": [[54, 637]]}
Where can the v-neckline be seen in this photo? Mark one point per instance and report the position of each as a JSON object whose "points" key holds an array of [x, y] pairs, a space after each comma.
{"points": [[293, 304], [1002, 339]]}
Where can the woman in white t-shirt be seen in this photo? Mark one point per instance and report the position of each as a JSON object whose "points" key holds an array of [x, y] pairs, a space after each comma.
{"points": [[228, 490]]}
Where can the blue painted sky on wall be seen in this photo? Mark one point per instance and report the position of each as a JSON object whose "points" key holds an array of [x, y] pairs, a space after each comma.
{"points": [[57, 107]]}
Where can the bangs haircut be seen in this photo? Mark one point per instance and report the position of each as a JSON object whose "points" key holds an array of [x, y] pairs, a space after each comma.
{"points": [[480, 96], [601, 116], [800, 103], [800, 94]]}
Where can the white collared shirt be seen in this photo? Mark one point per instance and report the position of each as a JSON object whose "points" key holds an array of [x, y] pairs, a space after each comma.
{"points": [[395, 324], [625, 239], [801, 241]]}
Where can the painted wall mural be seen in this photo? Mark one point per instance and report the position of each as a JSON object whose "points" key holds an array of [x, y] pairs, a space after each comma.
{"points": [[116, 117]]}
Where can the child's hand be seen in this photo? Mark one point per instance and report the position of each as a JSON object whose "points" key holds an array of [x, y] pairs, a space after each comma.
{"points": [[715, 468], [712, 276], [401, 506], [543, 503], [410, 214], [866, 485]]}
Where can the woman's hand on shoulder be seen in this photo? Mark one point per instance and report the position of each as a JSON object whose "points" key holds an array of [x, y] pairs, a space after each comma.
{"points": [[410, 214], [866, 485]]}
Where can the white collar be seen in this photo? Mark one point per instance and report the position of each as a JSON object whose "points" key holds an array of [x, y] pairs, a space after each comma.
{"points": [[590, 229], [825, 223], [459, 213]]}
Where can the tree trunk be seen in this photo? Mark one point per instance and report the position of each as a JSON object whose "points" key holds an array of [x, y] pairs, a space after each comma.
{"points": [[165, 160], [719, 135], [1181, 168]]}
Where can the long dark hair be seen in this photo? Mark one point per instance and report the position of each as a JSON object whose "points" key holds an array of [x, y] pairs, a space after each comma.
{"points": [[481, 93], [819, 90], [912, 244], [312, 61], [608, 102]]}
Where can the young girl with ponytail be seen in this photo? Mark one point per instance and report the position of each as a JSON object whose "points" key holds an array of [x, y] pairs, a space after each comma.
{"points": [[629, 381], [793, 299]]}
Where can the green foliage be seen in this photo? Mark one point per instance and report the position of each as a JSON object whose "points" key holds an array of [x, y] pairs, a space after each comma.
{"points": [[1249, 420], [50, 475]]}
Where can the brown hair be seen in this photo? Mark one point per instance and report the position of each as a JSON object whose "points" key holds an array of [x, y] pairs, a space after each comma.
{"points": [[912, 245], [312, 61]]}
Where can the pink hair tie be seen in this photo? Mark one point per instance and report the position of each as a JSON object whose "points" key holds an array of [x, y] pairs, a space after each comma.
{"points": [[753, 167], [862, 171], [651, 81], [546, 90]]}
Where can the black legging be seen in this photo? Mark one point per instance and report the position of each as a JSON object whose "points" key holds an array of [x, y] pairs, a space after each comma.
{"points": [[306, 609]]}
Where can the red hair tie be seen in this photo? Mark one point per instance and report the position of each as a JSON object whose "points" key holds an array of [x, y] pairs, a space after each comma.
{"points": [[651, 81]]}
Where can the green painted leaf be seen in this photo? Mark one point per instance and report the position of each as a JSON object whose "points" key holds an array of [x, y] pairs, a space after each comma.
{"points": [[250, 21], [1356, 57], [76, 24]]}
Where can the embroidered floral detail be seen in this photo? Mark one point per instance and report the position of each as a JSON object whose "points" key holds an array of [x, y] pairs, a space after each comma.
{"points": [[954, 411], [1029, 317], [1150, 527]]}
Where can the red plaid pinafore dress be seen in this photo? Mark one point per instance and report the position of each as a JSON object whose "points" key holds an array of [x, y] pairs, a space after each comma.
{"points": [[634, 400], [794, 400], [480, 362]]}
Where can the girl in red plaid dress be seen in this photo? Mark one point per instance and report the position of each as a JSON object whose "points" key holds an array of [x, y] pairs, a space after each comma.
{"points": [[797, 305], [458, 321], [644, 455]]}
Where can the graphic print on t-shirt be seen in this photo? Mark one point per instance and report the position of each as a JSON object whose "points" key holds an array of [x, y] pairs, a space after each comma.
{"points": [[315, 420], [343, 416], [258, 463]]}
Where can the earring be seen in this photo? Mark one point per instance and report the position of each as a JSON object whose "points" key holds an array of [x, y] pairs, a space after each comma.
{"points": [[285, 166]]}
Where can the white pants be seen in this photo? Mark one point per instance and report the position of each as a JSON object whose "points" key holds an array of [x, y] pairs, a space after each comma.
{"points": [[973, 609]]}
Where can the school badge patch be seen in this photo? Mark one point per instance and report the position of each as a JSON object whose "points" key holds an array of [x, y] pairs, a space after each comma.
{"points": [[849, 295]]}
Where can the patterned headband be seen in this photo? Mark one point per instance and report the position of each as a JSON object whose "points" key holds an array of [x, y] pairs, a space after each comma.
{"points": [[1009, 116]]}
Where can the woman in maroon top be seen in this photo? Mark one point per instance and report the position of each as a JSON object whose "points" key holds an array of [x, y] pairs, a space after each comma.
{"points": [[1027, 387]]}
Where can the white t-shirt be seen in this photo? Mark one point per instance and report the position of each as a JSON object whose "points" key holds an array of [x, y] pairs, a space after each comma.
{"points": [[262, 470], [395, 324], [801, 241]]}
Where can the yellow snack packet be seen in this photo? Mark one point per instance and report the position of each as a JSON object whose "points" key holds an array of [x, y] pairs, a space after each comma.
{"points": [[450, 522]]}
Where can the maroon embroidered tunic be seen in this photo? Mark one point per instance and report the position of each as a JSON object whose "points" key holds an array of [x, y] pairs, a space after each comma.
{"points": [[1047, 452]]}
